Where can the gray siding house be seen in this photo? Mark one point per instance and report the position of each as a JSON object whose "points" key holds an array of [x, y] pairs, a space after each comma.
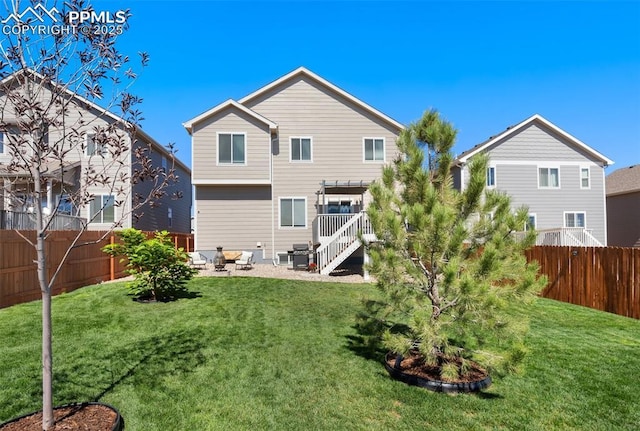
{"points": [[558, 177], [623, 207], [288, 164], [83, 119]]}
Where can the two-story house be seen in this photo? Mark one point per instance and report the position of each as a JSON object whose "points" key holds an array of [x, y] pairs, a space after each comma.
{"points": [[74, 132], [288, 164], [558, 177]]}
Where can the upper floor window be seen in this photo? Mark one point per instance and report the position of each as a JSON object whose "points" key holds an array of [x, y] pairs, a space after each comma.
{"points": [[2, 138], [103, 209], [164, 163], [93, 145], [301, 149], [575, 219], [584, 178], [374, 149], [548, 177], [169, 217], [491, 176], [293, 212], [231, 148]]}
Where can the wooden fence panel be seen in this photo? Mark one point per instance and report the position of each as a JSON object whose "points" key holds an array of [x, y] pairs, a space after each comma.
{"points": [[603, 278], [85, 265]]}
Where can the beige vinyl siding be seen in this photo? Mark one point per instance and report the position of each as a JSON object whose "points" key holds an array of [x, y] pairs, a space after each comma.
{"points": [[301, 107], [205, 149], [234, 217], [85, 119], [536, 142]]}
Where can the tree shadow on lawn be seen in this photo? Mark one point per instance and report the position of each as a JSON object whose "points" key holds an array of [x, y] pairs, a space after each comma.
{"points": [[369, 327], [143, 363]]}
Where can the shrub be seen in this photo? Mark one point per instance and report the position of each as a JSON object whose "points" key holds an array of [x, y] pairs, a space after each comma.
{"points": [[160, 270]]}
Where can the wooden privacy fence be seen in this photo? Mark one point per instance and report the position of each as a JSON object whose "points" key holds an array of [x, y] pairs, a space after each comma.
{"points": [[86, 264], [604, 278]]}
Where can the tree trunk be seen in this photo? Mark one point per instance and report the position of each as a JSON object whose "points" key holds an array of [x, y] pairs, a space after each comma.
{"points": [[47, 375]]}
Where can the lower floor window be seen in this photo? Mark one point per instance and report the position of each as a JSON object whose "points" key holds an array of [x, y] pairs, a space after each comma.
{"points": [[574, 219], [293, 212], [531, 222], [102, 209]]}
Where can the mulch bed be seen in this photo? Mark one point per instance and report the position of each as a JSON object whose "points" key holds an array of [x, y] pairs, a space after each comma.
{"points": [[414, 365], [90, 417]]}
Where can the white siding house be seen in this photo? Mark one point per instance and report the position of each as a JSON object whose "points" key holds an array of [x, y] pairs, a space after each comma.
{"points": [[558, 177], [288, 164]]}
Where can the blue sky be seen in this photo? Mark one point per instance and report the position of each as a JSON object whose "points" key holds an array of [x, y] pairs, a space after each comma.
{"points": [[484, 65]]}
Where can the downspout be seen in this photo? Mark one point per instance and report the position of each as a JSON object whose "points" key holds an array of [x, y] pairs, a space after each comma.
{"points": [[273, 217], [604, 197]]}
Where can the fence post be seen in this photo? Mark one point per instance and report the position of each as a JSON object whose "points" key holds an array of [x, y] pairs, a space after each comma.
{"points": [[112, 263]]}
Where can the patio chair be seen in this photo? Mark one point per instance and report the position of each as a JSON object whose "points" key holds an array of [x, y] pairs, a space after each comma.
{"points": [[245, 261], [197, 259]]}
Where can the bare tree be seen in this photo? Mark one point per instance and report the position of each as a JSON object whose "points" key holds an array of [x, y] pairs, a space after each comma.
{"points": [[71, 145]]}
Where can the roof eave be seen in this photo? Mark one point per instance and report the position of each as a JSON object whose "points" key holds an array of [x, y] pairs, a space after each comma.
{"points": [[536, 117], [306, 72], [188, 125]]}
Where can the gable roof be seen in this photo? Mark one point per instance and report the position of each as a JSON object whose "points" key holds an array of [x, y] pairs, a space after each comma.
{"points": [[624, 180], [225, 105], [301, 71], [139, 132], [464, 157]]}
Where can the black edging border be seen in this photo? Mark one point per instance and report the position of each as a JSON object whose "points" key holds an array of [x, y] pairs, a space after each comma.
{"points": [[117, 426], [433, 385]]}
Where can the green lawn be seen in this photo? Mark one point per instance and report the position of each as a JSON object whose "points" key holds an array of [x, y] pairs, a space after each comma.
{"points": [[260, 354]]}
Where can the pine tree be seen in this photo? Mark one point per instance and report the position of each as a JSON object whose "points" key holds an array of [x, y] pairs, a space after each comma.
{"points": [[450, 263]]}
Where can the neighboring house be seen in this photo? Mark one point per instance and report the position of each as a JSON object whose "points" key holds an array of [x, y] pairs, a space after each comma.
{"points": [[16, 188], [623, 207], [288, 164], [558, 177]]}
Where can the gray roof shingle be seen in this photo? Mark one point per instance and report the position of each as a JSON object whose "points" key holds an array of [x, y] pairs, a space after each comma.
{"points": [[623, 180]]}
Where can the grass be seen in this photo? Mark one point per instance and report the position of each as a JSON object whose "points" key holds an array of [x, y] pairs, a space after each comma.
{"points": [[254, 354]]}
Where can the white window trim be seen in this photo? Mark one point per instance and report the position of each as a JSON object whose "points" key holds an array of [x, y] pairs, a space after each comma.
{"points": [[538, 167], [495, 177], [291, 138], [284, 253], [246, 146], [564, 218], [588, 177], [103, 153], [280, 199], [364, 149], [100, 219]]}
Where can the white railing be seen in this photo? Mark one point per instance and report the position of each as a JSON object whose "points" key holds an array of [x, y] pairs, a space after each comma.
{"points": [[26, 221], [326, 225], [344, 241], [568, 236]]}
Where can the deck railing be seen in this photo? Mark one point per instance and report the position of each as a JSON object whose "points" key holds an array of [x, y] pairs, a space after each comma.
{"points": [[15, 220], [326, 225], [568, 236]]}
